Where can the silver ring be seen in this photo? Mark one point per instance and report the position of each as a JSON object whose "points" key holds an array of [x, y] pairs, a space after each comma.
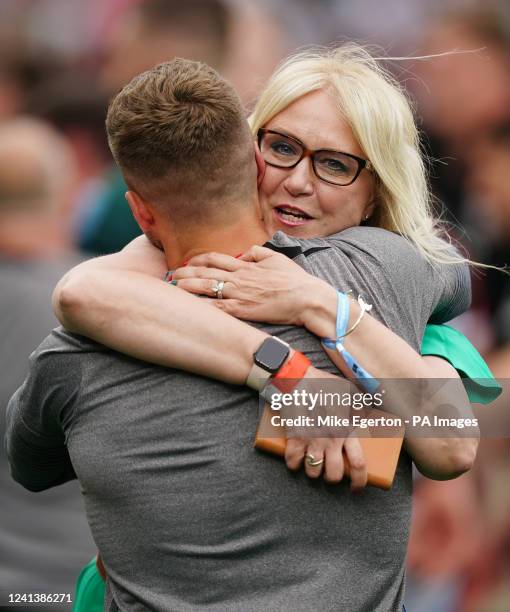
{"points": [[312, 461], [218, 289]]}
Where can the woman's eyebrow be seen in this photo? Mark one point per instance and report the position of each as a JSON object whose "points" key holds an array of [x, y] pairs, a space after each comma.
{"points": [[289, 134], [285, 132], [282, 130]]}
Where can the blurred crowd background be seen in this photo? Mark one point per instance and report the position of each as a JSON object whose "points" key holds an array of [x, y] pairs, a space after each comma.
{"points": [[62, 200]]}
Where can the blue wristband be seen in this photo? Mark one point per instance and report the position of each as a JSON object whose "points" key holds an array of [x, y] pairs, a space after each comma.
{"points": [[342, 320], [365, 379]]}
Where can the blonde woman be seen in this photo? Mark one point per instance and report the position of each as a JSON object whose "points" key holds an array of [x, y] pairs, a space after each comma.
{"points": [[340, 148]]}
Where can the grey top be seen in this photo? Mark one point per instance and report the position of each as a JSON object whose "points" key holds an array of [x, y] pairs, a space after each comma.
{"points": [[45, 540], [186, 515]]}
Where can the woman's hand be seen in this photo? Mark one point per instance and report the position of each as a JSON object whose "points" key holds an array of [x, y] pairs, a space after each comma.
{"points": [[330, 453], [260, 285], [321, 449]]}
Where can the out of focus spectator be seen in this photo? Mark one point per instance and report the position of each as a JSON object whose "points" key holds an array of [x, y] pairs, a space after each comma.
{"points": [[467, 91], [139, 35], [21, 71], [44, 541], [77, 109], [464, 98], [488, 208], [144, 33], [446, 537], [463, 94], [110, 43], [488, 212], [466, 106], [11, 89]]}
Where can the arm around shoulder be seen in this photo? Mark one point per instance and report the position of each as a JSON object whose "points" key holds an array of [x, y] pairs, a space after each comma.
{"points": [[122, 302], [79, 295]]}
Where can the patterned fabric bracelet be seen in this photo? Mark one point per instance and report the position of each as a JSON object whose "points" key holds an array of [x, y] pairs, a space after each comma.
{"points": [[365, 379], [342, 317]]}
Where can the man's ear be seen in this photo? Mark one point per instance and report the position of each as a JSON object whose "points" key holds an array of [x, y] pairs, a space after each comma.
{"points": [[261, 165], [142, 212]]}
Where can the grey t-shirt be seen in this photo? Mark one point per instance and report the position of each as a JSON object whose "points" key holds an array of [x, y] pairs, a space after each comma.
{"points": [[186, 515]]}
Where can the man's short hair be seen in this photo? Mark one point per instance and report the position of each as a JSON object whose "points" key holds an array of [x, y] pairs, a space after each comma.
{"points": [[179, 134]]}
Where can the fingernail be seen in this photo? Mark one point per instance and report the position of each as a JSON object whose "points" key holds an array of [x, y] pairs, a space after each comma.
{"points": [[174, 282], [185, 263], [237, 256]]}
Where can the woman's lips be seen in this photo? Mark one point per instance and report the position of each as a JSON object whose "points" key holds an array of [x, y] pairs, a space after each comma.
{"points": [[291, 216]]}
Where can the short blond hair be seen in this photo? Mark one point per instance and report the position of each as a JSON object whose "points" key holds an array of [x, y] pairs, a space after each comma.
{"points": [[179, 134], [380, 115]]}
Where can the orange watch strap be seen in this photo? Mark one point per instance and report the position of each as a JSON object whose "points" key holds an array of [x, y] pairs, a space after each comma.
{"points": [[291, 372]]}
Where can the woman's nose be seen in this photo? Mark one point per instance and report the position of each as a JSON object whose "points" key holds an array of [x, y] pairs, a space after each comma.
{"points": [[300, 180]]}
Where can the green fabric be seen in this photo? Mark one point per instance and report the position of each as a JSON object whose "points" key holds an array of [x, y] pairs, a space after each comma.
{"points": [[116, 226], [448, 343], [90, 590]]}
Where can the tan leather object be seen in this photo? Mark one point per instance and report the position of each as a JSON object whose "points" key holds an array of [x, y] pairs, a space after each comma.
{"points": [[381, 454]]}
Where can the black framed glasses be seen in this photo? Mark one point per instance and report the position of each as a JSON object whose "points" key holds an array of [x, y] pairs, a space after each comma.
{"points": [[335, 167]]}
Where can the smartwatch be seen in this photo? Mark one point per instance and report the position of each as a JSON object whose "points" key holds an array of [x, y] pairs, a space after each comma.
{"points": [[267, 360]]}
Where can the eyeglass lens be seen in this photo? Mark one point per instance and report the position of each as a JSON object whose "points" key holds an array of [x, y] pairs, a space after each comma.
{"points": [[284, 152]]}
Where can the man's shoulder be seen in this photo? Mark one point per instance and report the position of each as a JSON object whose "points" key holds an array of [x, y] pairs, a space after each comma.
{"points": [[60, 344], [57, 368], [64, 354]]}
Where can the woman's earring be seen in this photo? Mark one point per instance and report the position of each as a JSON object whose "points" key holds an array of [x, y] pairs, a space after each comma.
{"points": [[365, 218]]}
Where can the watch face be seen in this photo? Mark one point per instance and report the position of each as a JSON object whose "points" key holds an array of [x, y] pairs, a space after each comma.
{"points": [[271, 354]]}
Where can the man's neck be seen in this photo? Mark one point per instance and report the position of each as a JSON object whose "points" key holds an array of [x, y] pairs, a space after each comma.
{"points": [[231, 240]]}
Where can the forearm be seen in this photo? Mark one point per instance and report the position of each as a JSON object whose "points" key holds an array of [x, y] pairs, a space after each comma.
{"points": [[379, 350], [452, 455], [151, 320], [442, 458], [391, 360]]}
